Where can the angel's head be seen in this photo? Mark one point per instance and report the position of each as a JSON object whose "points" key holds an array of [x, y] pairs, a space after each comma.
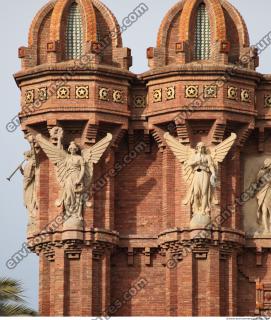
{"points": [[201, 148], [73, 148]]}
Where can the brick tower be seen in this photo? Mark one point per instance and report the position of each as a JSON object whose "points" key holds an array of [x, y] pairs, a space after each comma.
{"points": [[138, 251]]}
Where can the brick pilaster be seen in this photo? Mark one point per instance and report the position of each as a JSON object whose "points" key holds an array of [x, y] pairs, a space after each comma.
{"points": [[213, 286], [59, 283], [185, 286]]}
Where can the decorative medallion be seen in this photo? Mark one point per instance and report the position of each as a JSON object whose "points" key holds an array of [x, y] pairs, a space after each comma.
{"points": [[210, 91], [233, 93], [117, 96], [139, 101], [267, 101], [157, 95], [170, 93], [63, 93], [245, 95], [82, 92], [29, 96], [104, 94], [42, 94], [191, 91]]}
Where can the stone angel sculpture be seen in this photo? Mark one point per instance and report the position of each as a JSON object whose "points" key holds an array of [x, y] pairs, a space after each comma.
{"points": [[200, 172], [30, 173], [263, 196], [74, 173]]}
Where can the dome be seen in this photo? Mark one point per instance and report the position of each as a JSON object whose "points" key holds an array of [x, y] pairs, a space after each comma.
{"points": [[200, 30], [66, 30]]}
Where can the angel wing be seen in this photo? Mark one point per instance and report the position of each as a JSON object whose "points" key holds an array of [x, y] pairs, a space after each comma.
{"points": [[93, 154], [56, 155], [219, 152], [182, 153]]}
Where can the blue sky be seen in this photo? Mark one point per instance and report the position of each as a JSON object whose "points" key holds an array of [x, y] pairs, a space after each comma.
{"points": [[15, 21]]}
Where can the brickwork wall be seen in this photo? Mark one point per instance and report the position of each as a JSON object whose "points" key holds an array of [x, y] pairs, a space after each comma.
{"points": [[137, 226], [150, 300], [138, 202]]}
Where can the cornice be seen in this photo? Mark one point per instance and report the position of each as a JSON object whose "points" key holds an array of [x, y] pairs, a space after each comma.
{"points": [[71, 69], [201, 70]]}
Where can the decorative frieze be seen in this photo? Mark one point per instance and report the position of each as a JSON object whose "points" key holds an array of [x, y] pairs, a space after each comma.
{"points": [[63, 92], [206, 91], [139, 101]]}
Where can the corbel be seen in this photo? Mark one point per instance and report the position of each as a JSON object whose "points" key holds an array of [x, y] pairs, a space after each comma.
{"points": [[147, 253], [218, 131], [259, 256], [130, 257], [261, 139]]}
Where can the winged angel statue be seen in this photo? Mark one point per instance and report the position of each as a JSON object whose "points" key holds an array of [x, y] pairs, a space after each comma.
{"points": [[74, 173], [200, 172]]}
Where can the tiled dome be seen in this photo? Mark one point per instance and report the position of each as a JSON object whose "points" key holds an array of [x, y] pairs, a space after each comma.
{"points": [[66, 30], [200, 30]]}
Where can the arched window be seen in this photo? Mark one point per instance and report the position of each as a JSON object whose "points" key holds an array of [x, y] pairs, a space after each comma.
{"points": [[202, 42], [74, 33]]}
